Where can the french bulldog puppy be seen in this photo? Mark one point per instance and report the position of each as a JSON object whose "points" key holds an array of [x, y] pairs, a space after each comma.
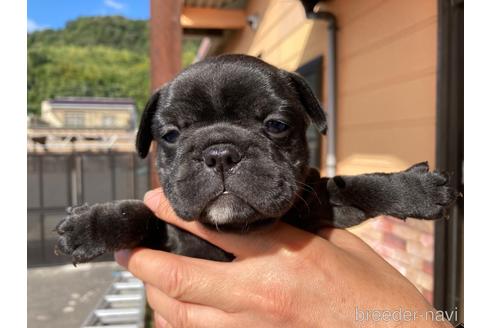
{"points": [[232, 154]]}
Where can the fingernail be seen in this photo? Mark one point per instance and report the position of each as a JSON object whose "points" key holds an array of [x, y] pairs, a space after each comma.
{"points": [[122, 256]]}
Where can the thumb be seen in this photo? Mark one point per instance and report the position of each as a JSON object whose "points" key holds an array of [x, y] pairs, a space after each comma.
{"points": [[152, 198], [158, 203]]}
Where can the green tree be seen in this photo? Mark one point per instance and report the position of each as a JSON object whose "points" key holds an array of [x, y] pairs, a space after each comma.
{"points": [[92, 56], [111, 31]]}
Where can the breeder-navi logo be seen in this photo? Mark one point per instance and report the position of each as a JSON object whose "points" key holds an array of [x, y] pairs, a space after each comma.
{"points": [[404, 315]]}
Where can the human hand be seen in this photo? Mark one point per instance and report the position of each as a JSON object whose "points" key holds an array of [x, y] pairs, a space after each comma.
{"points": [[281, 276]]}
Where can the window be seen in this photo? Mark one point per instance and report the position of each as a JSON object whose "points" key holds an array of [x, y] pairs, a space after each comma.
{"points": [[108, 121], [74, 120]]}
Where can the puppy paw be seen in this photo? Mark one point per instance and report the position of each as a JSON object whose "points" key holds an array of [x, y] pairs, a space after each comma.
{"points": [[434, 194], [413, 193], [78, 237]]}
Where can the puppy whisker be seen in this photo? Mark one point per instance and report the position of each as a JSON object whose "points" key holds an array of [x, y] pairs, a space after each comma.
{"points": [[245, 228], [310, 189], [217, 226], [305, 202]]}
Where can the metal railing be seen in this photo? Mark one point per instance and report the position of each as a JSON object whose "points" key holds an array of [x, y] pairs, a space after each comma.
{"points": [[56, 181], [123, 305]]}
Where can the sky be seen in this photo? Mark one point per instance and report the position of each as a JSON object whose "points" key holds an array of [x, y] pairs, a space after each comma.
{"points": [[42, 14]]}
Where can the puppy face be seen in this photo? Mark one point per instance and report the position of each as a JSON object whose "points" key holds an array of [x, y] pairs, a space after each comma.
{"points": [[230, 131]]}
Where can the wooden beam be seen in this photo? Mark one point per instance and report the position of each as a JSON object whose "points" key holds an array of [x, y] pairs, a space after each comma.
{"points": [[212, 18], [165, 52], [165, 41]]}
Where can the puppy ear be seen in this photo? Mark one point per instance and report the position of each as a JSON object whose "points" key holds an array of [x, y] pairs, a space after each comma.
{"points": [[144, 134], [310, 102]]}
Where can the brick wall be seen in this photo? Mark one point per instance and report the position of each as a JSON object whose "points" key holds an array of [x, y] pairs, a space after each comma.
{"points": [[408, 246]]}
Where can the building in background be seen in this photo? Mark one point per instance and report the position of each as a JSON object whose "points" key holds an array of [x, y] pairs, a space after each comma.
{"points": [[395, 71], [89, 112], [83, 124]]}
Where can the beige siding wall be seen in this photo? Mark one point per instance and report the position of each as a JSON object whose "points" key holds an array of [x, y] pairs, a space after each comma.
{"points": [[387, 69], [387, 97], [284, 38]]}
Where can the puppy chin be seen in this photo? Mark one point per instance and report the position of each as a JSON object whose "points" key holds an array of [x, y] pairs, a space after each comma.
{"points": [[229, 210]]}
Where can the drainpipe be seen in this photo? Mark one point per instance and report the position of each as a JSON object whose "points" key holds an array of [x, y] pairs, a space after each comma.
{"points": [[331, 87]]}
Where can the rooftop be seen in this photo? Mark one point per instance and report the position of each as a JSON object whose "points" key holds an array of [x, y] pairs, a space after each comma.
{"points": [[92, 101]]}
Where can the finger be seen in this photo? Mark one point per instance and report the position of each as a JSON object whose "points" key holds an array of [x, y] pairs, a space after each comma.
{"points": [[183, 278], [253, 243], [179, 314]]}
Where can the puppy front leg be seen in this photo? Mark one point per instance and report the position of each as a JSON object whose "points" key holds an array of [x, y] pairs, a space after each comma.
{"points": [[90, 231], [414, 193]]}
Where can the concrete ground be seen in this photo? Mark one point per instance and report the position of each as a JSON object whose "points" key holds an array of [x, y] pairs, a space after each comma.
{"points": [[63, 296]]}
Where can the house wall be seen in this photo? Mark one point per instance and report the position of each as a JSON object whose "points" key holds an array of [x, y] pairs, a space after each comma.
{"points": [[94, 118], [386, 54], [121, 119], [48, 116]]}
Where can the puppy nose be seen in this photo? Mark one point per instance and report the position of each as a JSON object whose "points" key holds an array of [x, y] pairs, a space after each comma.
{"points": [[221, 157]]}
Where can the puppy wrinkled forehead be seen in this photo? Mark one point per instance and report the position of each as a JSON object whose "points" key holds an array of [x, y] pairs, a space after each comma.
{"points": [[227, 90], [239, 89]]}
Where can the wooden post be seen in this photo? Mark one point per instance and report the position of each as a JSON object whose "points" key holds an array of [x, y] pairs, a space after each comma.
{"points": [[165, 52]]}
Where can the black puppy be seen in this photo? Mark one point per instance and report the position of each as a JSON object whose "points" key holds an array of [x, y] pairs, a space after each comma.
{"points": [[232, 154]]}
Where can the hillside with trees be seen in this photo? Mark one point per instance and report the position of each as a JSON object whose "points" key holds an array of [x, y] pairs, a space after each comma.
{"points": [[103, 56]]}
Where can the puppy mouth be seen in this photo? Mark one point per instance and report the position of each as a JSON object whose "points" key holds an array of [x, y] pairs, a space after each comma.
{"points": [[241, 227], [230, 212]]}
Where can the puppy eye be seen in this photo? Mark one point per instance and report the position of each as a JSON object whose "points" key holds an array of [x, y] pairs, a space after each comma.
{"points": [[171, 136], [275, 126]]}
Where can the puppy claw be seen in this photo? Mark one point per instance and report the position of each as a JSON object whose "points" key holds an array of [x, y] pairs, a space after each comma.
{"points": [[422, 167], [440, 195], [56, 251]]}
